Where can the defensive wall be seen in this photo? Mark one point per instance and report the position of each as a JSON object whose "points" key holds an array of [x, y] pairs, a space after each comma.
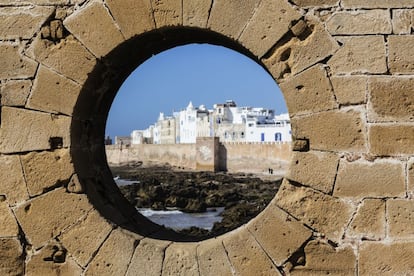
{"points": [[345, 67], [232, 157]]}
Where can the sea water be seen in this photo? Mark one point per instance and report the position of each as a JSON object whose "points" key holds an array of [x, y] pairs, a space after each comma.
{"points": [[176, 219]]}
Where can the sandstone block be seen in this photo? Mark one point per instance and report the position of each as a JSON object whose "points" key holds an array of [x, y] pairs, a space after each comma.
{"points": [[246, 255], [281, 244], [212, 258], [68, 57], [391, 99], [400, 218], [410, 167], [315, 3], [95, 28], [229, 17], [370, 179], [15, 93], [52, 260], [369, 221], [133, 17], [386, 258], [391, 139], [84, 238], [350, 90], [11, 257], [332, 130], [352, 57], [8, 226], [54, 212], [196, 12], [13, 185], [181, 259], [121, 245], [401, 54], [378, 4], [326, 214], [167, 13], [53, 93], [35, 2], [148, 258], [309, 92], [314, 169], [13, 64], [402, 21], [269, 23], [22, 22], [360, 22], [322, 258], [311, 45], [25, 130]]}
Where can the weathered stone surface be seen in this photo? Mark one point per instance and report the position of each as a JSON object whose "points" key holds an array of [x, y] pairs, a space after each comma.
{"points": [[369, 221], [13, 63], [410, 168], [401, 54], [26, 130], [281, 244], [377, 4], [352, 56], [212, 259], [326, 214], [148, 258], [13, 185], [361, 179], [246, 255], [54, 211], [8, 226], [83, 239], [269, 23], [317, 3], [229, 17], [95, 28], [53, 93], [309, 92], [350, 90], [402, 21], [391, 99], [314, 169], [115, 254], [52, 260], [332, 130], [322, 258], [68, 57], [15, 93], [11, 257], [311, 46], [167, 13], [133, 17], [385, 258], [196, 12], [34, 2], [22, 22], [181, 259], [400, 217], [360, 22], [391, 139]]}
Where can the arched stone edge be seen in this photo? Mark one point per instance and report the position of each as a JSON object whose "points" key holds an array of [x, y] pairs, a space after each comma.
{"points": [[279, 68]]}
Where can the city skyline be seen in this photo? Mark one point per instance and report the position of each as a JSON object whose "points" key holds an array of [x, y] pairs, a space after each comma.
{"points": [[201, 73]]}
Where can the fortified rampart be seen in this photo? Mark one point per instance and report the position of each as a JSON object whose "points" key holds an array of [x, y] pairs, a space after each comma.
{"points": [[233, 157], [345, 67]]}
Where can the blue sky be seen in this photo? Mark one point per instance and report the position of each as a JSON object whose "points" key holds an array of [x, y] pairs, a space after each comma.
{"points": [[201, 73]]}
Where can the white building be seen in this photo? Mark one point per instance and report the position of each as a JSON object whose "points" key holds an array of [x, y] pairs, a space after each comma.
{"points": [[227, 121]]}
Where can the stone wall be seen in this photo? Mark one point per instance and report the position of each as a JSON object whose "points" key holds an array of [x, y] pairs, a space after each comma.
{"points": [[232, 157], [346, 70]]}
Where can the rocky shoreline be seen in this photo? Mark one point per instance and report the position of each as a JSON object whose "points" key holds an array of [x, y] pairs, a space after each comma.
{"points": [[161, 187]]}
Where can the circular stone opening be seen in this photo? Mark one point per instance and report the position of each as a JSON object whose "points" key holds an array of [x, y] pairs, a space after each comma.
{"points": [[88, 130]]}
